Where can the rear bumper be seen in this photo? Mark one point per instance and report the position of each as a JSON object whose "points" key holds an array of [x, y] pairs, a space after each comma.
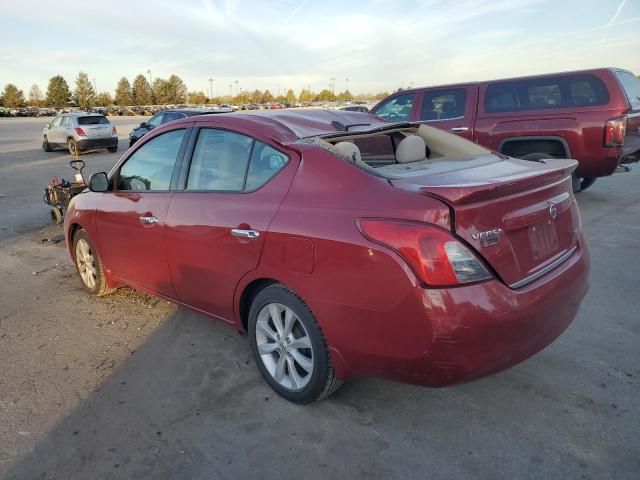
{"points": [[91, 143], [438, 337]]}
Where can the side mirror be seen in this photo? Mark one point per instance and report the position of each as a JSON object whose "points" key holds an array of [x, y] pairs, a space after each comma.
{"points": [[143, 125], [48, 125], [99, 182]]}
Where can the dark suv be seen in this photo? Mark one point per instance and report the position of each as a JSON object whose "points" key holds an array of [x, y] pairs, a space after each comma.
{"points": [[590, 115], [165, 116]]}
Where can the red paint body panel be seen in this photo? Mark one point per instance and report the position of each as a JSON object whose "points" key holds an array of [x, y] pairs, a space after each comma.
{"points": [[376, 316], [580, 129]]}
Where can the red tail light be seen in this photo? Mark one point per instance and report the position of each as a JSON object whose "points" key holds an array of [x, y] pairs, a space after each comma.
{"points": [[114, 132], [80, 132], [614, 132], [435, 256]]}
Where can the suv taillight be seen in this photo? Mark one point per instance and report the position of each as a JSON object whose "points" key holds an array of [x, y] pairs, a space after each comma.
{"points": [[614, 132], [80, 132], [114, 132], [435, 256]]}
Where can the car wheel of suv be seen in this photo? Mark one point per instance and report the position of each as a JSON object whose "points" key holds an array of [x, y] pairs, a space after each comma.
{"points": [[586, 183], [72, 146], [112, 149], [89, 266], [289, 347], [46, 146]]}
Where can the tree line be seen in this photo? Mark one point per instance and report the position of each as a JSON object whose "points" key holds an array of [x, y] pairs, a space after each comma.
{"points": [[169, 91]]}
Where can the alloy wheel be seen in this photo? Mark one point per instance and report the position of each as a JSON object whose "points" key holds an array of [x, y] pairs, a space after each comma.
{"points": [[86, 263], [284, 346]]}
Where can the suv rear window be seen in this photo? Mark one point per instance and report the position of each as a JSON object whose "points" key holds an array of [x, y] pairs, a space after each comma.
{"points": [[549, 92], [92, 120], [631, 86]]}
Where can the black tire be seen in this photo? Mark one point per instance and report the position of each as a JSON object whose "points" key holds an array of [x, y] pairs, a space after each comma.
{"points": [[46, 146], [72, 146], [112, 149], [100, 288], [534, 157], [323, 381], [56, 215], [586, 183]]}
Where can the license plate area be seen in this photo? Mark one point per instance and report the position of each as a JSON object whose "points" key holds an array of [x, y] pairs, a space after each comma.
{"points": [[543, 238]]}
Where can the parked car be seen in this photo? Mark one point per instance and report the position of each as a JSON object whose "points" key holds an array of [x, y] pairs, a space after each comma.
{"points": [[343, 244], [165, 116], [590, 115], [79, 132]]}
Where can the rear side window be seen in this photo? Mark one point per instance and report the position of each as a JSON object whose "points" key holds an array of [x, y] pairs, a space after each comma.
{"points": [[631, 86], [444, 104], [151, 166], [225, 161], [93, 120], [398, 109], [543, 93], [219, 161]]}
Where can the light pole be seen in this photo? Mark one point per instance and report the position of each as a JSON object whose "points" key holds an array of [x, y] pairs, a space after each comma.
{"points": [[236, 82], [211, 88], [150, 81], [333, 86], [230, 90], [347, 80], [94, 85]]}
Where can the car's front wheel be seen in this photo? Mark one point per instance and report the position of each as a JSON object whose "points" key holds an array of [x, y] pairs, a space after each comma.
{"points": [[46, 146], [289, 347], [89, 266]]}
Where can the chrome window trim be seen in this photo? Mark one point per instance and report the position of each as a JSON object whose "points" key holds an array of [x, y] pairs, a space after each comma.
{"points": [[525, 281]]}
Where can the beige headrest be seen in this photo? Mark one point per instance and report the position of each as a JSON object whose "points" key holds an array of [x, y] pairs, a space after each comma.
{"points": [[411, 149], [349, 150]]}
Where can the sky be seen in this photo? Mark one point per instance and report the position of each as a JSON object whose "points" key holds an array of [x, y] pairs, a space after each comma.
{"points": [[378, 45]]}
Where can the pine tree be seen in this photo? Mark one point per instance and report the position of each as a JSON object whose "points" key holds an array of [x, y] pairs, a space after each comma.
{"points": [[84, 94], [104, 99], [58, 94], [142, 93], [12, 97], [291, 97], [123, 93], [161, 91], [197, 98], [177, 90]]}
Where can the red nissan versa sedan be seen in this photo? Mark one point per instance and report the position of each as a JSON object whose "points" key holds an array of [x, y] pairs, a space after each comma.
{"points": [[343, 244]]}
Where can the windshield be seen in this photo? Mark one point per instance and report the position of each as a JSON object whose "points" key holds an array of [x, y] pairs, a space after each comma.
{"points": [[631, 86], [93, 120]]}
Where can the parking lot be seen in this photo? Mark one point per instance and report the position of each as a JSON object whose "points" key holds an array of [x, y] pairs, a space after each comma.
{"points": [[129, 386]]}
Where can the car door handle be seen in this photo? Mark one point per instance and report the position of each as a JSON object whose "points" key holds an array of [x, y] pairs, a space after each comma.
{"points": [[150, 219], [250, 234], [460, 129]]}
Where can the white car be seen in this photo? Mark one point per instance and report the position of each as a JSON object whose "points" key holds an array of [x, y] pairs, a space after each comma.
{"points": [[78, 132]]}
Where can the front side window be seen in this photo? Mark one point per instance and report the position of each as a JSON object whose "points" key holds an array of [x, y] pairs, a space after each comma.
{"points": [[151, 166], [397, 109], [230, 162], [66, 122], [444, 104], [155, 120], [56, 122]]}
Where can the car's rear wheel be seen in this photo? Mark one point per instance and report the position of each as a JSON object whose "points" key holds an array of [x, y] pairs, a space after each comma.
{"points": [[89, 266], [289, 347], [112, 149], [586, 183], [72, 146], [46, 146]]}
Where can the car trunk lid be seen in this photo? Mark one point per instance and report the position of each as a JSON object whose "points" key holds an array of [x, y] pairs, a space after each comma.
{"points": [[95, 127], [520, 216]]}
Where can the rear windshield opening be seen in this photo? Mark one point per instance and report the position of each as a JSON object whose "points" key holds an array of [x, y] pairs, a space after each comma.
{"points": [[407, 151], [92, 120]]}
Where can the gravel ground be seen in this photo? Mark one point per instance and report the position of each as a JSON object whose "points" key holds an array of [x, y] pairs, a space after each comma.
{"points": [[129, 386]]}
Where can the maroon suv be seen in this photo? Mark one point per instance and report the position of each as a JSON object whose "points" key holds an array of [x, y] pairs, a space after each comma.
{"points": [[590, 115]]}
